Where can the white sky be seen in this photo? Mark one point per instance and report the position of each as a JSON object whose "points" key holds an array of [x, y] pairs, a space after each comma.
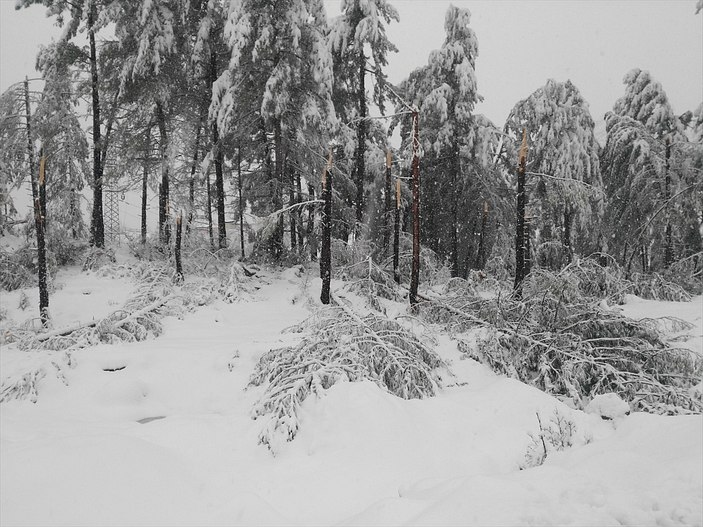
{"points": [[522, 43]]}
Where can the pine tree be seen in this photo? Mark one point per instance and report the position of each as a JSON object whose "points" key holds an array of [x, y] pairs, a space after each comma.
{"points": [[564, 170]]}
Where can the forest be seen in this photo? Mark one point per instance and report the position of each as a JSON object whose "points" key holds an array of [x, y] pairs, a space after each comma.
{"points": [[277, 151]]}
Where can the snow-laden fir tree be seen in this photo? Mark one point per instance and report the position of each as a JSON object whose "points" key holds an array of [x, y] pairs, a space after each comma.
{"points": [[360, 29], [280, 62], [563, 179], [458, 145], [650, 178]]}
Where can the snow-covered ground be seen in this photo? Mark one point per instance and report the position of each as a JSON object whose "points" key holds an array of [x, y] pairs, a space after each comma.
{"points": [[160, 433]]}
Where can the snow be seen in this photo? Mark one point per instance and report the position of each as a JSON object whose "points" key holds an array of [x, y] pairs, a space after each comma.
{"points": [[167, 437], [608, 406]]}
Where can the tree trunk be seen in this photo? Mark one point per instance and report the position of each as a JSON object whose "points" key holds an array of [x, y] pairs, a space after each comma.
{"points": [[179, 267], [97, 228], [454, 197], [520, 241], [668, 246], [277, 237], [164, 227], [191, 181], [326, 257], [220, 190], [388, 203], [30, 142], [292, 213], [40, 224], [415, 270], [312, 238], [568, 220], [396, 234], [241, 200], [361, 140], [481, 255], [209, 211], [145, 177]]}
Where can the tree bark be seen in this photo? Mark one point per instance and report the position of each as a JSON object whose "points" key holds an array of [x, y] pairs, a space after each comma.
{"points": [[241, 201], [520, 243], [97, 228], [179, 266], [568, 221], [145, 178], [292, 213], [668, 246], [396, 234], [191, 181], [361, 140], [481, 255], [387, 189], [454, 197], [277, 238], [164, 227], [312, 237], [40, 222], [326, 257], [415, 270], [209, 211]]}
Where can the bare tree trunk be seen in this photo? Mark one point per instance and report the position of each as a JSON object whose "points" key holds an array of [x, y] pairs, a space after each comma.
{"points": [[145, 177], [164, 227], [454, 197], [277, 237], [97, 228], [387, 209], [520, 241], [40, 223], [396, 234], [30, 142], [415, 270], [326, 257], [298, 211], [668, 246], [481, 254], [292, 213], [241, 201], [361, 141], [191, 181], [209, 212], [179, 267], [312, 238], [568, 220]]}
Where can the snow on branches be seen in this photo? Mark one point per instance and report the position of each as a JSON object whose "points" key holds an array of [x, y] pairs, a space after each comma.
{"points": [[341, 346]]}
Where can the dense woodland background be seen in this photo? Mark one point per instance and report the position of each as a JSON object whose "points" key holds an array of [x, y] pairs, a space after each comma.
{"points": [[226, 108]]}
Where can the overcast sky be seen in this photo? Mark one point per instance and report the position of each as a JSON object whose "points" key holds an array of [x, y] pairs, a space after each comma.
{"points": [[522, 43]]}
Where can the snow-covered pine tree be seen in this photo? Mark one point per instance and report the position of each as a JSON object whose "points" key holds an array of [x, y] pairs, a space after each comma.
{"points": [[282, 66], [649, 175], [458, 145], [359, 28], [564, 177]]}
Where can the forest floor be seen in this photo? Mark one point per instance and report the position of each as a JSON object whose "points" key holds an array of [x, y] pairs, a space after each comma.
{"points": [[160, 432]]}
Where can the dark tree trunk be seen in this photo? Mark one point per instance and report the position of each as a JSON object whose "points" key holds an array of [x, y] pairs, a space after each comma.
{"points": [[219, 190], [454, 197], [396, 234], [97, 228], [241, 201], [209, 211], [145, 177], [326, 257], [388, 203], [40, 223], [164, 227], [30, 143], [191, 181], [292, 212], [361, 141], [415, 270], [277, 237], [520, 240], [668, 246], [312, 238], [179, 266], [481, 254], [568, 221], [298, 211]]}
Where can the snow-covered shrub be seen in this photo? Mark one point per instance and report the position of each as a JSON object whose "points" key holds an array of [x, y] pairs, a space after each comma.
{"points": [[97, 257], [569, 345], [341, 346], [688, 273], [558, 435], [15, 270], [655, 287]]}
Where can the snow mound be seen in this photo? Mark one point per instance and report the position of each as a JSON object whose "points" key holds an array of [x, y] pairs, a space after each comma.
{"points": [[608, 406]]}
